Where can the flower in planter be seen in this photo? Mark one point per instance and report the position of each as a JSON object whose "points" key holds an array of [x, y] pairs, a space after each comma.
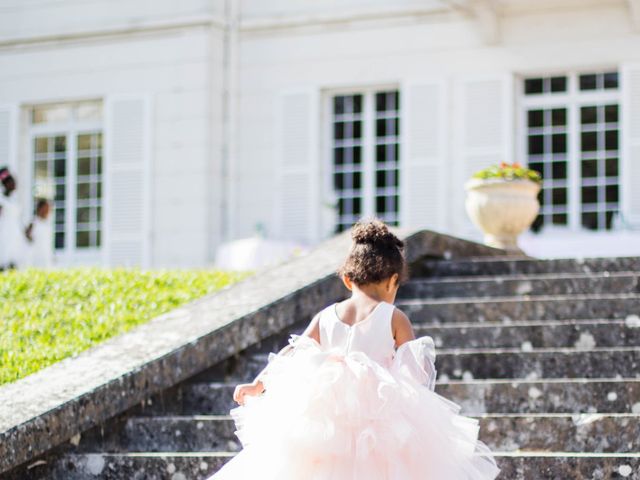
{"points": [[508, 171]]}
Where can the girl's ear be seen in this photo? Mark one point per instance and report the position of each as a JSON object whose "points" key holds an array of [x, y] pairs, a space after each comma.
{"points": [[393, 282], [347, 282]]}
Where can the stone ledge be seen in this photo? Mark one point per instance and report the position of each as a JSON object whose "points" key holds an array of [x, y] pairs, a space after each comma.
{"points": [[47, 408]]}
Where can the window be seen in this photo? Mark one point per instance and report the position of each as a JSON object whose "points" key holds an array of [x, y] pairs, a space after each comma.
{"points": [[365, 156], [572, 137], [67, 167]]}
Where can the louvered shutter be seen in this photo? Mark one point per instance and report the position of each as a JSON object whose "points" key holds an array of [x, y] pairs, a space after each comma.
{"points": [[127, 169], [630, 174], [484, 118], [8, 137], [422, 172], [298, 187]]}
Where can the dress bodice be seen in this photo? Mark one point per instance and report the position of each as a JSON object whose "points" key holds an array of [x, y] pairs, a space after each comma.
{"points": [[372, 336]]}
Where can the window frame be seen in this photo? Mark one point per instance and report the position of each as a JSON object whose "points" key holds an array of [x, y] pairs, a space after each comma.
{"points": [[369, 169], [573, 99], [71, 129]]}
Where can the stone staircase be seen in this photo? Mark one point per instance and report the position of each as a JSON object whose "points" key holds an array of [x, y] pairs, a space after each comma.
{"points": [[546, 353]]}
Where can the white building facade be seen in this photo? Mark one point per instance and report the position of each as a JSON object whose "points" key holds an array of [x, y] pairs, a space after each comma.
{"points": [[163, 129]]}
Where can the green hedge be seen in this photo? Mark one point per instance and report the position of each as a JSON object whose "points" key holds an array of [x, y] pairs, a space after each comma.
{"points": [[46, 316]]}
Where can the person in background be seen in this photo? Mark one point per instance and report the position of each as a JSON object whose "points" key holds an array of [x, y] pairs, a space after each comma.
{"points": [[12, 239], [40, 236]]}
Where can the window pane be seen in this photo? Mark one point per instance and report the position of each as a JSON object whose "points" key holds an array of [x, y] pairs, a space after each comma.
{"points": [[41, 169], [536, 144], [611, 169], [82, 239], [560, 219], [559, 196], [61, 191], [559, 170], [59, 215], [83, 191], [611, 113], [589, 168], [83, 215], [590, 220], [84, 142], [41, 144], [588, 115], [89, 111], [51, 114], [533, 86], [589, 141], [588, 82], [559, 143], [356, 155], [589, 195], [59, 240], [60, 144], [535, 118], [612, 195], [356, 104], [559, 84], [611, 140], [611, 80], [558, 117], [84, 166]]}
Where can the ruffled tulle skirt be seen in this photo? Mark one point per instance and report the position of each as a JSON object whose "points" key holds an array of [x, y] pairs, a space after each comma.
{"points": [[327, 415]]}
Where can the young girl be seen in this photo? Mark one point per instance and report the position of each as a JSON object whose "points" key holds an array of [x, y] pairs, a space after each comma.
{"points": [[40, 236], [352, 397]]}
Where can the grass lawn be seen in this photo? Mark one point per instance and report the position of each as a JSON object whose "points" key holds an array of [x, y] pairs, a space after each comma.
{"points": [[46, 316]]}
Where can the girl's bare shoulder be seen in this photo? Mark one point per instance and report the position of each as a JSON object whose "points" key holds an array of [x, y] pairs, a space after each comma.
{"points": [[401, 326], [400, 317]]}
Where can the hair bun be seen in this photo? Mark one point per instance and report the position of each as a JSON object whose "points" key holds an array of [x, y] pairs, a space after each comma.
{"points": [[374, 232]]}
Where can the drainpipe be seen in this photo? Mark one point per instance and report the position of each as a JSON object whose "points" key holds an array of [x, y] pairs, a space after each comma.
{"points": [[229, 106]]}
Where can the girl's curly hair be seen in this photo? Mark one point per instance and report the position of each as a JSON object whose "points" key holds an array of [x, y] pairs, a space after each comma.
{"points": [[375, 254]]}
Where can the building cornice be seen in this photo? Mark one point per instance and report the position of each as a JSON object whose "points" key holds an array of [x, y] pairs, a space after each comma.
{"points": [[148, 27], [343, 16]]}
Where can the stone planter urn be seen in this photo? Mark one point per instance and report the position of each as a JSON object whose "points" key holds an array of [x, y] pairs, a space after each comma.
{"points": [[502, 209]]}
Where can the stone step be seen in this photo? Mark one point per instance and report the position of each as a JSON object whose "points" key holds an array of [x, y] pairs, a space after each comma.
{"points": [[476, 397], [541, 284], [510, 266], [490, 363], [553, 307], [561, 395], [597, 433], [200, 465], [567, 466], [579, 334]]}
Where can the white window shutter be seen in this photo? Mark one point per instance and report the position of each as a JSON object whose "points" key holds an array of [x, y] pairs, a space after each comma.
{"points": [[127, 182], [9, 137], [423, 157], [485, 122], [298, 202], [630, 171]]}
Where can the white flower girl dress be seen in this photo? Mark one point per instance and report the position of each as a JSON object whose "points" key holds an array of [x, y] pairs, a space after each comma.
{"points": [[354, 408]]}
